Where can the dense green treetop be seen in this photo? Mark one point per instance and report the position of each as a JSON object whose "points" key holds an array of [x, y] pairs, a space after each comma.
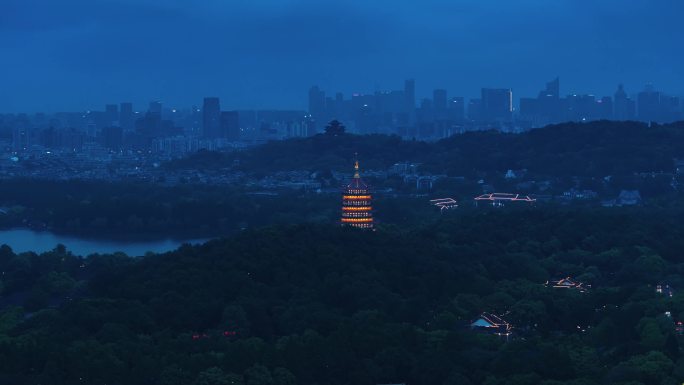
{"points": [[313, 304]]}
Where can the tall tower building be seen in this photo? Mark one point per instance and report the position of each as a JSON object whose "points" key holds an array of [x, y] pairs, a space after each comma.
{"points": [[126, 116], [624, 108], [439, 103], [317, 103], [211, 118], [552, 89], [456, 109], [410, 100], [155, 108], [111, 114], [497, 104], [230, 125], [356, 203]]}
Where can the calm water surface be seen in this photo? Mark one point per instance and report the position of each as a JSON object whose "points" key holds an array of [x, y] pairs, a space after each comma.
{"points": [[21, 240]]}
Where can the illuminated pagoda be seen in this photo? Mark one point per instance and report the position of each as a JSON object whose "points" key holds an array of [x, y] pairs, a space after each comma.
{"points": [[356, 203]]}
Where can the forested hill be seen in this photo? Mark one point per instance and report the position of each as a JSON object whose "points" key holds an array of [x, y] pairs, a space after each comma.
{"points": [[310, 304], [589, 149]]}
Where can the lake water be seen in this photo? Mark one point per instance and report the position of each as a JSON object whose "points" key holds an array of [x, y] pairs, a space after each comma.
{"points": [[21, 240]]}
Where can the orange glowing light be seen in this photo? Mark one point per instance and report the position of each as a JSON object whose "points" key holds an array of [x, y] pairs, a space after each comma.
{"points": [[357, 220], [359, 208], [356, 197]]}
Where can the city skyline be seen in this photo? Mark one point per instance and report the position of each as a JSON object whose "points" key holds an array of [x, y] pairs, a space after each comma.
{"points": [[78, 55], [139, 107]]}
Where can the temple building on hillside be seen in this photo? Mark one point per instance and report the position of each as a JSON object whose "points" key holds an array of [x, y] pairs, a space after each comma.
{"points": [[568, 283], [493, 324], [356, 203]]}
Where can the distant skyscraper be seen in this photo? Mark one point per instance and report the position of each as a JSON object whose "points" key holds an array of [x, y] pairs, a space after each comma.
{"points": [[580, 108], [310, 126], [624, 108], [126, 118], [112, 137], [439, 102], [339, 108], [317, 104], [475, 110], [426, 112], [111, 114], [604, 108], [649, 104], [150, 125], [497, 104], [211, 118], [21, 137], [155, 108], [230, 125], [548, 102], [456, 109], [552, 89], [410, 99], [671, 108]]}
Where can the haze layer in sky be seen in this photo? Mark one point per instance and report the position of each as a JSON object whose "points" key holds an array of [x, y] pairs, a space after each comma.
{"points": [[80, 54]]}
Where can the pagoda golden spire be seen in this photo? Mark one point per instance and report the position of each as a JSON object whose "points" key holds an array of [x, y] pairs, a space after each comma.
{"points": [[356, 202]]}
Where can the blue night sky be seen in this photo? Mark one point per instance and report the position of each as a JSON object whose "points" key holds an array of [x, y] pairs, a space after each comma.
{"points": [[80, 54]]}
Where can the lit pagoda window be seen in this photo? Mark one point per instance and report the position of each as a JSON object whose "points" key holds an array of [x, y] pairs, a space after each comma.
{"points": [[357, 210]]}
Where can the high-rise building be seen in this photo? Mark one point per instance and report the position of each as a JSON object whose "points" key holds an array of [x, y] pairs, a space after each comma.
{"points": [[497, 105], [155, 108], [21, 138], [211, 118], [552, 89], [112, 137], [604, 108], [357, 210], [549, 103], [149, 126], [439, 103], [456, 109], [475, 110], [410, 100], [580, 108], [649, 104], [545, 108], [111, 114], [317, 104], [230, 125], [654, 106], [426, 112], [126, 117], [671, 110], [624, 108]]}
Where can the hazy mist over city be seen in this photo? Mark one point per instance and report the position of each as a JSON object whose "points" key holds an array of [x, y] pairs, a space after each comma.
{"points": [[80, 54]]}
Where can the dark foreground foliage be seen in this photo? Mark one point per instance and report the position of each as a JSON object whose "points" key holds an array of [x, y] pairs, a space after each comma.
{"points": [[311, 304]]}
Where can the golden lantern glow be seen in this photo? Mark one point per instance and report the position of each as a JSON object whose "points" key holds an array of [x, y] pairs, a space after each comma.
{"points": [[360, 208], [357, 220]]}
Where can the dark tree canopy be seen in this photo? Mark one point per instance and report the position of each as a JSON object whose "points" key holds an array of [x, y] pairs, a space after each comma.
{"points": [[334, 128], [311, 304]]}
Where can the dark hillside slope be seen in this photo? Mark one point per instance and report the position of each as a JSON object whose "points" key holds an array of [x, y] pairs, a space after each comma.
{"points": [[594, 149]]}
